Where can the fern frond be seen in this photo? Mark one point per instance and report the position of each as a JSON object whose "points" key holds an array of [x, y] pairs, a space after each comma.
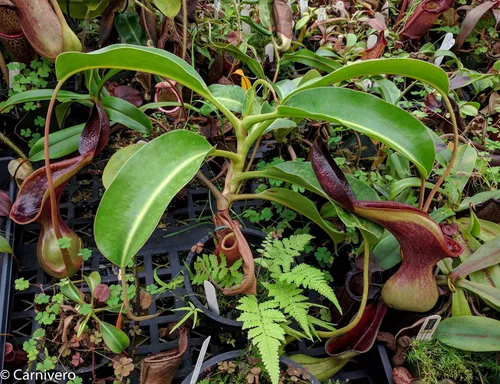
{"points": [[263, 322], [283, 251], [292, 302], [309, 277]]}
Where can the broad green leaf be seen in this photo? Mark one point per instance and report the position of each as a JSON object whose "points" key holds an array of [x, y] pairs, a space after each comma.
{"points": [[169, 8], [470, 333], [487, 292], [134, 202], [93, 280], [459, 304], [69, 290], [231, 96], [117, 161], [377, 119], [474, 227], [281, 124], [41, 95], [489, 230], [121, 111], [461, 170], [411, 182], [389, 90], [400, 166], [415, 69], [5, 246], [129, 27], [264, 14], [478, 199], [115, 339], [252, 64], [311, 60], [62, 111], [285, 87], [486, 256], [302, 205], [441, 214], [133, 58], [61, 143], [80, 9], [388, 252]]}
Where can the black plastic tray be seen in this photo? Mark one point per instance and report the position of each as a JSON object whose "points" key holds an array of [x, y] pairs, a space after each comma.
{"points": [[8, 185]]}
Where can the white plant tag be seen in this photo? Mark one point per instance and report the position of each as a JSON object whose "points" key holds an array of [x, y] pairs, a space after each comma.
{"points": [[385, 9], [245, 28], [428, 328], [211, 295], [269, 50], [321, 14], [199, 362], [446, 45], [304, 7], [216, 8], [13, 73], [372, 40]]}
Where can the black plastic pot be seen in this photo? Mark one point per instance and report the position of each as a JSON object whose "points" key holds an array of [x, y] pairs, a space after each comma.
{"points": [[253, 236], [6, 261], [228, 356]]}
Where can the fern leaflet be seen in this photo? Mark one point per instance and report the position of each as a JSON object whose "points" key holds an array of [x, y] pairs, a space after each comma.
{"points": [[309, 277], [263, 321], [283, 251], [292, 302]]}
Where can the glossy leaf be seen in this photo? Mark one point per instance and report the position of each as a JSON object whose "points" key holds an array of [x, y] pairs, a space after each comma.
{"points": [[129, 27], [486, 256], [478, 199], [302, 205], [415, 69], [461, 170], [61, 143], [229, 95], [264, 14], [5, 246], [69, 290], [459, 304], [487, 292], [80, 9], [471, 19], [115, 339], [411, 182], [388, 252], [41, 95], [117, 161], [133, 58], [169, 8], [252, 64], [93, 280], [133, 204], [123, 112], [470, 333], [380, 120], [311, 60]]}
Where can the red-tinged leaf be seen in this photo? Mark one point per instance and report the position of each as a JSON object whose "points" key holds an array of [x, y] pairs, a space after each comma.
{"points": [[95, 135], [486, 256], [471, 19], [132, 95], [361, 338], [102, 293], [427, 12], [413, 287], [283, 22], [5, 204]]}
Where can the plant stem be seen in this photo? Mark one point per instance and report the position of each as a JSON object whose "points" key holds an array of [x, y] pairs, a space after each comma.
{"points": [[222, 202], [364, 299], [422, 192], [184, 29], [453, 156], [249, 121], [130, 315], [14, 147], [228, 155]]}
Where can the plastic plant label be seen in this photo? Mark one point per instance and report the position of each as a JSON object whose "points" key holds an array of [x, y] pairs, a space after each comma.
{"points": [[372, 40], [321, 14], [269, 50], [245, 28], [199, 362], [446, 45], [216, 8], [304, 7], [428, 328], [211, 295], [13, 73]]}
